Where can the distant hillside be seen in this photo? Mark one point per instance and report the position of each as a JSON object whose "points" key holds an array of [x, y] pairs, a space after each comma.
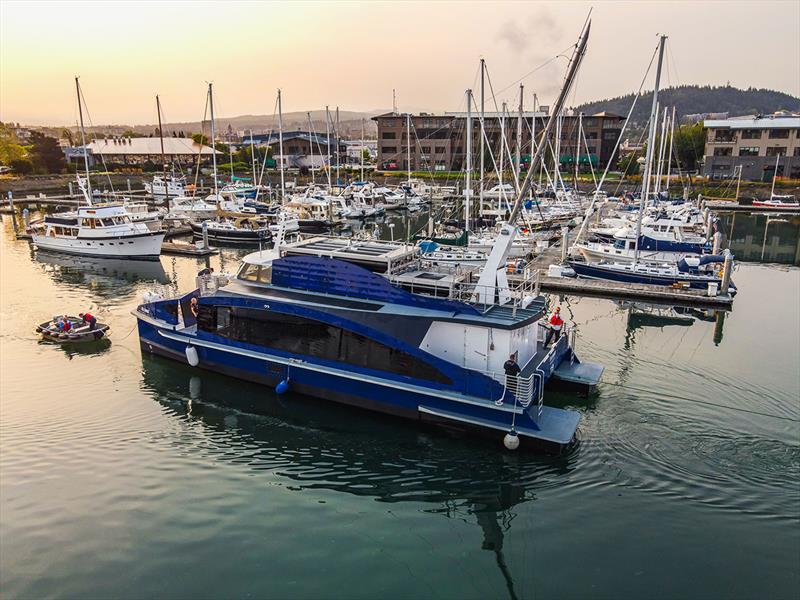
{"points": [[349, 124], [698, 99]]}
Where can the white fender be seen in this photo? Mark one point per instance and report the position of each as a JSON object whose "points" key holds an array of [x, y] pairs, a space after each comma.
{"points": [[191, 356]]}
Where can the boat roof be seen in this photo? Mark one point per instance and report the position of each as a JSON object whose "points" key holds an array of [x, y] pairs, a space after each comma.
{"points": [[376, 253]]}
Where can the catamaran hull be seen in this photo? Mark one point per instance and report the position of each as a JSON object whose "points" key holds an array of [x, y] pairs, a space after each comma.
{"points": [[411, 400], [145, 246]]}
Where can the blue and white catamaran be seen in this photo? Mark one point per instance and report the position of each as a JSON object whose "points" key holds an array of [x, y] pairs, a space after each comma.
{"points": [[366, 323]]}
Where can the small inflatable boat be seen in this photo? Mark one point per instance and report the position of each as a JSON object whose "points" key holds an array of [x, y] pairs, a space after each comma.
{"points": [[79, 331]]}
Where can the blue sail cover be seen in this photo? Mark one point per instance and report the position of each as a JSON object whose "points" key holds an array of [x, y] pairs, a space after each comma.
{"points": [[688, 265]]}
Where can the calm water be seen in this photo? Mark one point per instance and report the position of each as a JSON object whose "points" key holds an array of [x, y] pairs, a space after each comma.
{"points": [[127, 476]]}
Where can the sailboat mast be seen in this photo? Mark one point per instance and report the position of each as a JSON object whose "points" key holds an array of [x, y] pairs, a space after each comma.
{"points": [[483, 134], [774, 176], [280, 146], [163, 156], [519, 135], [502, 149], [408, 146], [336, 135], [468, 169], [253, 156], [311, 138], [362, 148], [669, 154], [662, 147], [213, 138], [83, 143], [578, 149], [650, 148], [328, 138]]}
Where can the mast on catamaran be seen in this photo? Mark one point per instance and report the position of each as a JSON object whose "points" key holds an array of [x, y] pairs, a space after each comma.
{"points": [[648, 162], [362, 148], [493, 279], [88, 191]]}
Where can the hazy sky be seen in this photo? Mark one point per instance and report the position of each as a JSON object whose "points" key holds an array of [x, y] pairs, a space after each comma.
{"points": [[352, 54]]}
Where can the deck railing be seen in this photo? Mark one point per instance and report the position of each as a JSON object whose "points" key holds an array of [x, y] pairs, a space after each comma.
{"points": [[487, 297]]}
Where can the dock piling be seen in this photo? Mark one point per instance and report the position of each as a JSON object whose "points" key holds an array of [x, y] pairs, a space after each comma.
{"points": [[205, 234], [726, 273], [717, 242], [564, 244]]}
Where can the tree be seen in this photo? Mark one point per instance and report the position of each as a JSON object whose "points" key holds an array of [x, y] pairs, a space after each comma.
{"points": [[45, 153], [689, 145], [10, 148], [199, 138], [629, 164], [366, 155], [21, 166]]}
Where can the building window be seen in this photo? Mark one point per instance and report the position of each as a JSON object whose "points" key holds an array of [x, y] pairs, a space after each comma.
{"points": [[592, 135], [610, 135], [722, 167], [723, 151], [778, 134], [776, 150], [748, 151], [388, 135], [724, 135], [751, 134], [441, 150], [426, 149], [797, 151], [389, 150]]}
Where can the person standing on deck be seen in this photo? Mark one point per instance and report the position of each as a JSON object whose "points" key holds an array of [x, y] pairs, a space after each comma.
{"points": [[512, 370], [555, 322]]}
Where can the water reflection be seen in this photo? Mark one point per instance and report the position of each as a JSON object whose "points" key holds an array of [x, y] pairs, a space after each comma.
{"points": [[319, 445], [642, 315], [762, 238], [104, 276]]}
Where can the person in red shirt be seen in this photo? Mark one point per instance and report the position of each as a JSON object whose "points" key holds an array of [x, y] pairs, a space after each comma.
{"points": [[556, 323], [90, 319]]}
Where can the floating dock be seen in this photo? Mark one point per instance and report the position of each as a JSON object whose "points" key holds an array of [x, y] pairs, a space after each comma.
{"points": [[736, 207], [186, 249], [617, 289]]}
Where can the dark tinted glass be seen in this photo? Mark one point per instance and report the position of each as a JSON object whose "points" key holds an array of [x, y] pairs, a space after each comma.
{"points": [[300, 335]]}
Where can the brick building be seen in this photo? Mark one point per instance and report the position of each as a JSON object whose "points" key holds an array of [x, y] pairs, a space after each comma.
{"points": [[438, 142]]}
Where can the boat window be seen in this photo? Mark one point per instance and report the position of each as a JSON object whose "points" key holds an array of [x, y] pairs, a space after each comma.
{"points": [[249, 272], [619, 244], [265, 274], [108, 222], [304, 336]]}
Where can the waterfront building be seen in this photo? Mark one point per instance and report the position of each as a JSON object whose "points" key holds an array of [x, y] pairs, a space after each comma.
{"points": [[757, 144], [135, 151], [300, 148], [438, 141]]}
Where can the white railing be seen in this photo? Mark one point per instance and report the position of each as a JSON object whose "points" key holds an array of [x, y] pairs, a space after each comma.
{"points": [[523, 388], [519, 296]]}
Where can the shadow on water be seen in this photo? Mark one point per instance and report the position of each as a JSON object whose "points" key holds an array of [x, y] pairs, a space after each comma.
{"points": [[318, 445], [72, 349], [106, 277]]}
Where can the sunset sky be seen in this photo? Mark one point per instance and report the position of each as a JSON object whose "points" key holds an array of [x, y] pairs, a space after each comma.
{"points": [[352, 54]]}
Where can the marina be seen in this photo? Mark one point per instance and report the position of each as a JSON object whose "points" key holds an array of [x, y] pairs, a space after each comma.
{"points": [[524, 343]]}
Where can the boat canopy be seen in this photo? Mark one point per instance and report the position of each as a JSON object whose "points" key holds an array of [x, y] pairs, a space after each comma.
{"points": [[685, 265]]}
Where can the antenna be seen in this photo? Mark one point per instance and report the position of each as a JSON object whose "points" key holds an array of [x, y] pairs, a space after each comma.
{"points": [[394, 102]]}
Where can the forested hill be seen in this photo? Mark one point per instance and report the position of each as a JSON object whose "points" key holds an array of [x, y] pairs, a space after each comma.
{"points": [[698, 99]]}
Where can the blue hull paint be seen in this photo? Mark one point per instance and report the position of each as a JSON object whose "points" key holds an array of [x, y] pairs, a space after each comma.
{"points": [[594, 272], [414, 399]]}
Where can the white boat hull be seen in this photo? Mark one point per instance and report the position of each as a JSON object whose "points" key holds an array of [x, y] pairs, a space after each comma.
{"points": [[139, 247]]}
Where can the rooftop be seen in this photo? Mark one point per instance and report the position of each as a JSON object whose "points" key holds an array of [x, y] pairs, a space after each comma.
{"points": [[781, 120], [148, 146]]}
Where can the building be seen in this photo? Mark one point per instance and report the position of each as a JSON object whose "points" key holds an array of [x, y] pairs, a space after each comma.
{"points": [[438, 142], [135, 151], [356, 148], [756, 144], [301, 149]]}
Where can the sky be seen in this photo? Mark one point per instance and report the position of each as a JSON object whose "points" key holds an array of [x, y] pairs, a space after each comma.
{"points": [[353, 54]]}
